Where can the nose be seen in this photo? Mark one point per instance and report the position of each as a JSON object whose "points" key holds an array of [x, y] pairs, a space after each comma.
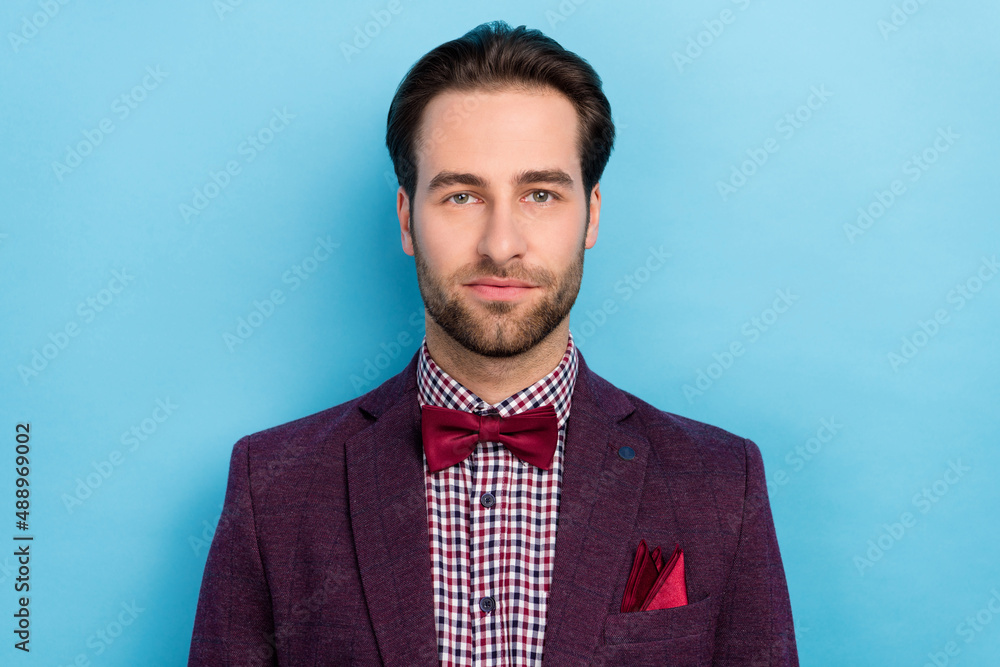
{"points": [[502, 236]]}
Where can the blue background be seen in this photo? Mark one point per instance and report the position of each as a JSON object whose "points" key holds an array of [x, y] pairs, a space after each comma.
{"points": [[864, 591]]}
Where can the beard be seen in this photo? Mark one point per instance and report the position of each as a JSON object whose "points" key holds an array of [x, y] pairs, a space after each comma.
{"points": [[502, 331]]}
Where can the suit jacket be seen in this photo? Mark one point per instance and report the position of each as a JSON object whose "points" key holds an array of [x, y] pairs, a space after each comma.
{"points": [[321, 555]]}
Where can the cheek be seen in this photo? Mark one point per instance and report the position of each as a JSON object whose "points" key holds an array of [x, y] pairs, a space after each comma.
{"points": [[443, 249], [560, 241]]}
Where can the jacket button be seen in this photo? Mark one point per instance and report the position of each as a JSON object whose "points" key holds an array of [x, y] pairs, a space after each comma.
{"points": [[626, 453], [487, 500], [487, 604]]}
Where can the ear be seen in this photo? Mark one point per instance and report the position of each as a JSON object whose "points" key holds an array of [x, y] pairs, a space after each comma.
{"points": [[595, 216], [403, 213]]}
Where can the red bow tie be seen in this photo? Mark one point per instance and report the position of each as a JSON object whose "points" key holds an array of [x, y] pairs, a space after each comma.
{"points": [[451, 435]]}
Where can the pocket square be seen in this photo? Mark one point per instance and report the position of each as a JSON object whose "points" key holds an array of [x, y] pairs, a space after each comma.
{"points": [[653, 584]]}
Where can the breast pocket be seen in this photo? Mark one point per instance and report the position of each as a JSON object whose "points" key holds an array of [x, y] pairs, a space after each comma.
{"points": [[680, 637]]}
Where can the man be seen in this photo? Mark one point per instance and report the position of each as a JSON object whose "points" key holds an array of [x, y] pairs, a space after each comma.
{"points": [[496, 502]]}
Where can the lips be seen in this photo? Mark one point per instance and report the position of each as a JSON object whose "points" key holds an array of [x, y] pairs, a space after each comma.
{"points": [[500, 282], [496, 289]]}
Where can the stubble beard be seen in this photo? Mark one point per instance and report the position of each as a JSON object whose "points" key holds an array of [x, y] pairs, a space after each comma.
{"points": [[501, 331]]}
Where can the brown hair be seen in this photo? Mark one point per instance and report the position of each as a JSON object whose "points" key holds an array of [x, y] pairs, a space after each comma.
{"points": [[493, 56]]}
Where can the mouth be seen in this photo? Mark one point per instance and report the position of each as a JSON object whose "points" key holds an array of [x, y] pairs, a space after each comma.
{"points": [[497, 289]]}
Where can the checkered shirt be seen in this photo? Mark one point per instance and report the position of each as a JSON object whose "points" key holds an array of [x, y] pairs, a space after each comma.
{"points": [[504, 551]]}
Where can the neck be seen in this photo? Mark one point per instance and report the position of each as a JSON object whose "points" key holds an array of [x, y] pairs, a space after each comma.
{"points": [[491, 378]]}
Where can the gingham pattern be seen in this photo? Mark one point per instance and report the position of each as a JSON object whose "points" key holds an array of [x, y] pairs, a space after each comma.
{"points": [[506, 551]]}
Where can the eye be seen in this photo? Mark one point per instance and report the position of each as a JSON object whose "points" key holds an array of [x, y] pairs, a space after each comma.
{"points": [[461, 198], [542, 196]]}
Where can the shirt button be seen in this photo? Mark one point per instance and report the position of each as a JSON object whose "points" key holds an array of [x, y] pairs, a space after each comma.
{"points": [[626, 453], [487, 604], [487, 500]]}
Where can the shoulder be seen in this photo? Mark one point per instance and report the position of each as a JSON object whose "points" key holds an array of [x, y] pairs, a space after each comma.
{"points": [[677, 439], [277, 459], [306, 432], [318, 439]]}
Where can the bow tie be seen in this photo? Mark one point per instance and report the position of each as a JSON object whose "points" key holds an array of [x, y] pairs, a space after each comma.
{"points": [[451, 435]]}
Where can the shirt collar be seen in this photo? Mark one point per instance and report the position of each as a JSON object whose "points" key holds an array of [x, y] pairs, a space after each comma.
{"points": [[436, 387]]}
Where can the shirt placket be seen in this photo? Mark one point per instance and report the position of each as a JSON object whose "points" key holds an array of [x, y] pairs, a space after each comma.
{"points": [[488, 533], [476, 558]]}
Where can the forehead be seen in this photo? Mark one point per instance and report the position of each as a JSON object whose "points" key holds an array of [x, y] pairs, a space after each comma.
{"points": [[497, 134]]}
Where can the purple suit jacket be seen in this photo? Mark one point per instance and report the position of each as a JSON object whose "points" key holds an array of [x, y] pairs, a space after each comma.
{"points": [[321, 555]]}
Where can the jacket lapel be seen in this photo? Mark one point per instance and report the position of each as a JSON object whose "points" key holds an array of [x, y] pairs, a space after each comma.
{"points": [[385, 481], [598, 507]]}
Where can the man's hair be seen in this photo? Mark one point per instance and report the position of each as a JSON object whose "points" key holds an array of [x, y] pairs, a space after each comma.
{"points": [[493, 57]]}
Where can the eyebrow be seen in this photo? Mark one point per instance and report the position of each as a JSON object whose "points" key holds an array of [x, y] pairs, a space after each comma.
{"points": [[550, 176]]}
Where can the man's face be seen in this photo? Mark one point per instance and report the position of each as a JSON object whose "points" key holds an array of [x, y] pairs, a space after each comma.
{"points": [[500, 219]]}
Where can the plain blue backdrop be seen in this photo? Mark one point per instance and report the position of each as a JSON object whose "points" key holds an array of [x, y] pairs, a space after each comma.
{"points": [[823, 177]]}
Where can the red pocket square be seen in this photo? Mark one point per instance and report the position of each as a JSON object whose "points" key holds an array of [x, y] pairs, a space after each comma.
{"points": [[653, 584]]}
